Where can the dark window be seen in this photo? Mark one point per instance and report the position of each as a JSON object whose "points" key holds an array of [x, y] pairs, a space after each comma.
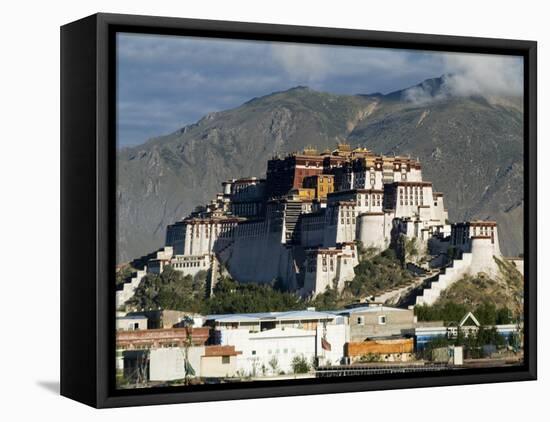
{"points": [[225, 360]]}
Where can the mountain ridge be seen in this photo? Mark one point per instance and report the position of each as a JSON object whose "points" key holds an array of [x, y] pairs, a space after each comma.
{"points": [[164, 178]]}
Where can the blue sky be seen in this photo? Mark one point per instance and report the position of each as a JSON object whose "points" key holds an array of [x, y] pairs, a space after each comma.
{"points": [[167, 82]]}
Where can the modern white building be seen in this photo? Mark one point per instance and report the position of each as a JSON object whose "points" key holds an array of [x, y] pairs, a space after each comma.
{"points": [[269, 342]]}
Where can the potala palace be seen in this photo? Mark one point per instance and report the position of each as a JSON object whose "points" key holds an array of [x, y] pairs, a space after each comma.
{"points": [[307, 221]]}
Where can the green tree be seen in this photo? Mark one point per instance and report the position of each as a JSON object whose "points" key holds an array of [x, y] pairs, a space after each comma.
{"points": [[300, 365], [376, 274], [232, 297], [327, 300], [274, 364], [124, 274]]}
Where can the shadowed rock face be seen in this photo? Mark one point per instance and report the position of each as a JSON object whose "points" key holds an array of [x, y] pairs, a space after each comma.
{"points": [[471, 148]]}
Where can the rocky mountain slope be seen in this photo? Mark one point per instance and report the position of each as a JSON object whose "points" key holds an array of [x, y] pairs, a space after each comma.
{"points": [[471, 148]]}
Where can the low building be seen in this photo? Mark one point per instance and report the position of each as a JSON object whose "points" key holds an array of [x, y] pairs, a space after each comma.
{"points": [[366, 322], [179, 363], [131, 322], [425, 332], [156, 355], [386, 349], [167, 318], [151, 339], [219, 362], [270, 341], [175, 363]]}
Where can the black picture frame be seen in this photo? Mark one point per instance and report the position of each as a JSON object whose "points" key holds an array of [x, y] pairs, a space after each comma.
{"points": [[88, 147]]}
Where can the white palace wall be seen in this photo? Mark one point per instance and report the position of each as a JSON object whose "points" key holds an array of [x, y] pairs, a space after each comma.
{"points": [[374, 229], [479, 260], [326, 266], [483, 252], [260, 257]]}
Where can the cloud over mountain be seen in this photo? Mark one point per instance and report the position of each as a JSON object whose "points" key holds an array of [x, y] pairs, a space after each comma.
{"points": [[473, 75]]}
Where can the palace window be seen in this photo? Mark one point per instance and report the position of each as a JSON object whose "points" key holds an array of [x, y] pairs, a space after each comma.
{"points": [[360, 320], [225, 360], [382, 319]]}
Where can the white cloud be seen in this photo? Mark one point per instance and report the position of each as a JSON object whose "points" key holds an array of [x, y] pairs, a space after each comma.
{"points": [[474, 75], [309, 63]]}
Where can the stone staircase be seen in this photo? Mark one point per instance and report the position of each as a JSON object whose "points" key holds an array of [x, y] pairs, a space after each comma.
{"points": [[448, 276], [417, 269], [128, 288], [399, 294]]}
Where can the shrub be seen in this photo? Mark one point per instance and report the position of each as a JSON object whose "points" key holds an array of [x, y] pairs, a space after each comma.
{"points": [[300, 365]]}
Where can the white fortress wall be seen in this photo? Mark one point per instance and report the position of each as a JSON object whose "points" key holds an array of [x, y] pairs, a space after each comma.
{"points": [[256, 256], [452, 274], [331, 225], [191, 264], [346, 263], [128, 288], [345, 231], [408, 197], [204, 236], [483, 252], [325, 274], [414, 175], [312, 229], [325, 266], [425, 213], [372, 201], [378, 179], [439, 209], [310, 276], [165, 253], [373, 230]]}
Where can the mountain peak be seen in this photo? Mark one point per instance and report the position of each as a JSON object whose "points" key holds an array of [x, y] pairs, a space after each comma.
{"points": [[298, 88], [431, 87]]}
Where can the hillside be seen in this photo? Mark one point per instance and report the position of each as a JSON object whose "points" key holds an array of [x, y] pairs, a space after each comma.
{"points": [[471, 148], [474, 293], [503, 291]]}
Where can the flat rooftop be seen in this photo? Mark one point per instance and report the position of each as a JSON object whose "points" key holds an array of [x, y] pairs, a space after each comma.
{"points": [[271, 316]]}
